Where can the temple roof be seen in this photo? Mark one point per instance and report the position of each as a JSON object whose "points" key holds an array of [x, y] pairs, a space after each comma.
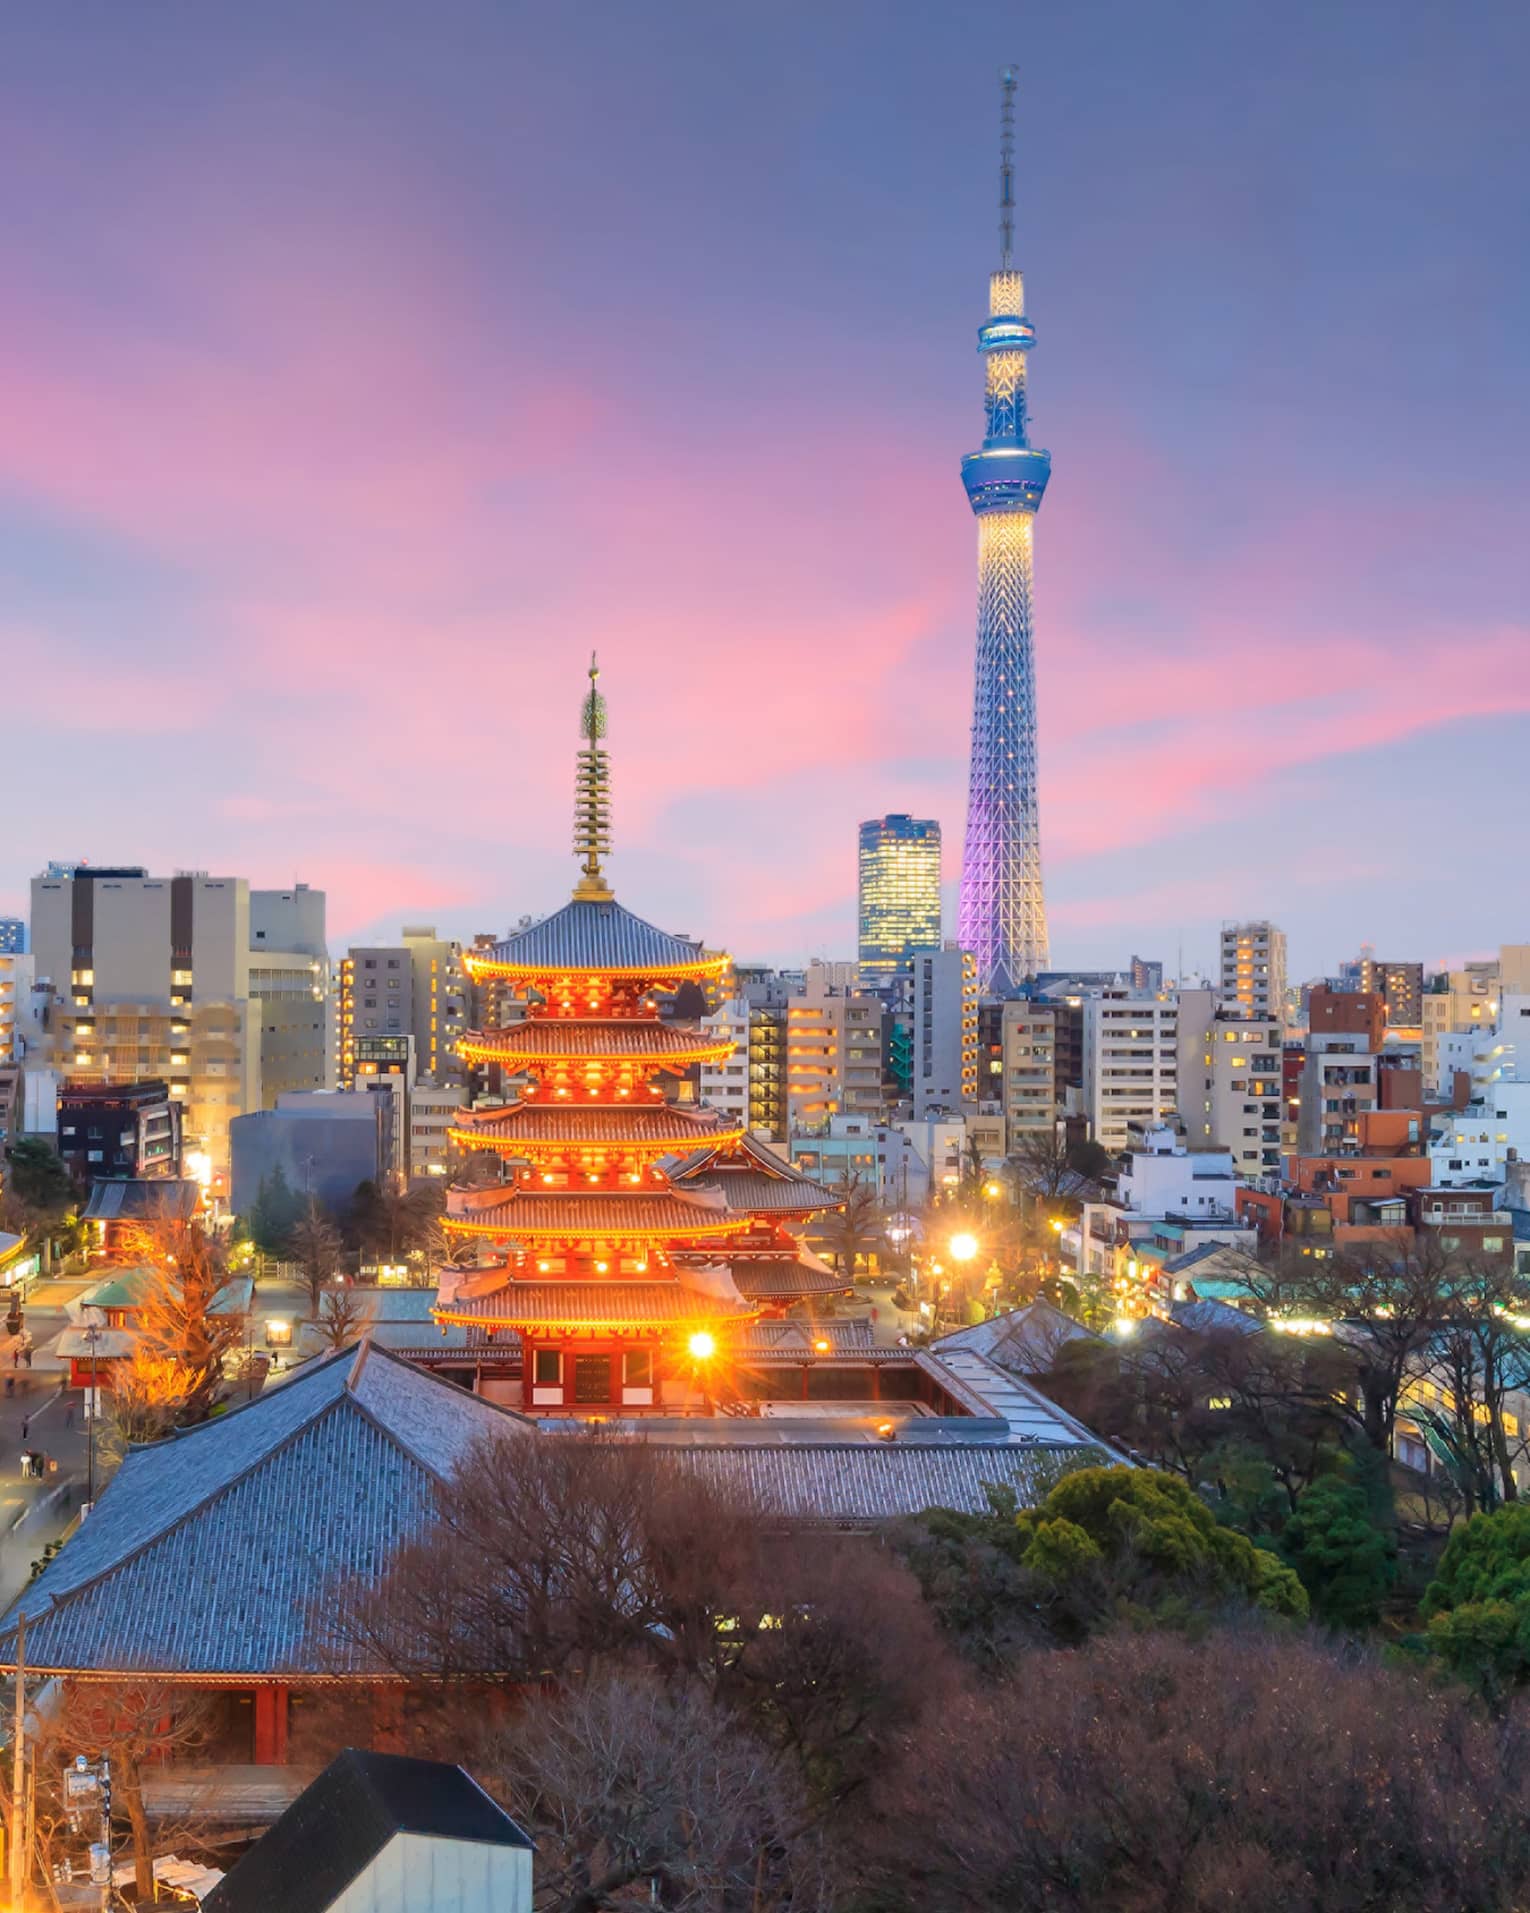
{"points": [[752, 1192], [786, 1274], [601, 1039], [635, 1125], [206, 1550], [594, 1304], [599, 936], [748, 1174], [599, 1214]]}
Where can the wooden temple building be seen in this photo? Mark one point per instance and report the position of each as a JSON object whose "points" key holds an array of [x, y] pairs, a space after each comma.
{"points": [[633, 1237]]}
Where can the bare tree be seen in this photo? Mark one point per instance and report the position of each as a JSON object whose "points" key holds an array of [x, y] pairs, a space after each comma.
{"points": [[343, 1315], [314, 1244], [856, 1225], [643, 1791]]}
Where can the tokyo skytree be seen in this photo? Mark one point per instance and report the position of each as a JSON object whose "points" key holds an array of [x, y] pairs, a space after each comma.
{"points": [[1003, 917]]}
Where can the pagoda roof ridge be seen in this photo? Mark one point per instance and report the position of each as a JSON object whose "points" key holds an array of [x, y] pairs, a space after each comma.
{"points": [[596, 1038], [538, 1120], [596, 935]]}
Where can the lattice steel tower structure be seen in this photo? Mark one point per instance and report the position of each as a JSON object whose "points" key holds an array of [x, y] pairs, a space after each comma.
{"points": [[1003, 918]]}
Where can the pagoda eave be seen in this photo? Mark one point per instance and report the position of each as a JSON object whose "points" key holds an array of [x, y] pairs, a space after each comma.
{"points": [[550, 976]]}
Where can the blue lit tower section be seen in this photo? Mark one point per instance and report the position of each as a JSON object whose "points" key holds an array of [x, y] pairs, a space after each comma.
{"points": [[1003, 917]]}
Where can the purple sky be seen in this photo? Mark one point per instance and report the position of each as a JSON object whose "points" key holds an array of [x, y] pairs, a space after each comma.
{"points": [[362, 367]]}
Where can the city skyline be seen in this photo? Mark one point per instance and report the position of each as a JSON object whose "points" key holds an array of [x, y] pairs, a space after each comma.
{"points": [[308, 373]]}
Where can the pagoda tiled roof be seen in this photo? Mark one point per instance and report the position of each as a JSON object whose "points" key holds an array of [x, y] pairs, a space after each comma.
{"points": [[591, 1304], [206, 1549], [752, 1192], [598, 1214], [786, 1275], [601, 1039], [644, 1125], [596, 936]]}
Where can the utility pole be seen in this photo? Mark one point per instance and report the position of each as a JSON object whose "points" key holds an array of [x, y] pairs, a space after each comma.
{"points": [[18, 1774]]}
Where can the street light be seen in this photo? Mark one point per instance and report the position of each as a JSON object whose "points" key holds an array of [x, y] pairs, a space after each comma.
{"points": [[963, 1247]]}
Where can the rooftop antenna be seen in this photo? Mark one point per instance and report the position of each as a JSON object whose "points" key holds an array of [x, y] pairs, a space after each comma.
{"points": [[1007, 171]]}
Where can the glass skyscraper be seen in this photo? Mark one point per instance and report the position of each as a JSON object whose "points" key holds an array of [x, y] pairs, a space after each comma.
{"points": [[899, 892]]}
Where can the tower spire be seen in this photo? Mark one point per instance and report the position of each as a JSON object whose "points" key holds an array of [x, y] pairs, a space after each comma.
{"points": [[592, 797], [1007, 170]]}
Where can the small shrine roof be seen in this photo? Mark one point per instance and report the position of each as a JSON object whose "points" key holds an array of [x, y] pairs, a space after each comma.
{"points": [[592, 1304], [601, 1039], [597, 936]]}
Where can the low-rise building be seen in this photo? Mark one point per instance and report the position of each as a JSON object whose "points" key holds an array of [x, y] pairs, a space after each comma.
{"points": [[120, 1131]]}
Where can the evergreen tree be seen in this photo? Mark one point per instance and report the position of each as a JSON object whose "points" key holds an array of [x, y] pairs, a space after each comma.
{"points": [[1346, 1563], [274, 1213]]}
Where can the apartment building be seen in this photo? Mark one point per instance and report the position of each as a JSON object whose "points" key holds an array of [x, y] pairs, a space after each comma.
{"points": [[416, 987], [1228, 1081], [1254, 969], [833, 1051], [1130, 1063], [943, 1031], [1027, 1080]]}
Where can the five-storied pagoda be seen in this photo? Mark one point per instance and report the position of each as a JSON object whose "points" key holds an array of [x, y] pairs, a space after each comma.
{"points": [[636, 1238]]}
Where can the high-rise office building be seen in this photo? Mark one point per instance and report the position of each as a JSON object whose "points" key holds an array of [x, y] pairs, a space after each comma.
{"points": [[151, 980], [1254, 969], [899, 892], [289, 974], [13, 936], [1003, 918], [1130, 1063]]}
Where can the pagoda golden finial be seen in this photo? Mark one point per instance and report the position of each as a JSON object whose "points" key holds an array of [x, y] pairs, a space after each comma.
{"points": [[592, 798]]}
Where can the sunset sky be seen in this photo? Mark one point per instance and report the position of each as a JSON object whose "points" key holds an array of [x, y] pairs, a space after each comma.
{"points": [[363, 367]]}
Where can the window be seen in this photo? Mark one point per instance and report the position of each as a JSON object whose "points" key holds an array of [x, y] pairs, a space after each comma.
{"points": [[637, 1368], [547, 1369]]}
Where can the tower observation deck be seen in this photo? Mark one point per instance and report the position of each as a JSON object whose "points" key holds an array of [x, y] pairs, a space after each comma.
{"points": [[1002, 917]]}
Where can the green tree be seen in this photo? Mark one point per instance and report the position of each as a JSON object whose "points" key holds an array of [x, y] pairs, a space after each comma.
{"points": [[1345, 1561], [274, 1213], [38, 1178], [1478, 1604]]}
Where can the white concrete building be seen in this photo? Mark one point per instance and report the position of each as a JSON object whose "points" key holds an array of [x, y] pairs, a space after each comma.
{"points": [[833, 1051], [289, 975], [1167, 1193], [1477, 1144], [1130, 1063], [432, 1111]]}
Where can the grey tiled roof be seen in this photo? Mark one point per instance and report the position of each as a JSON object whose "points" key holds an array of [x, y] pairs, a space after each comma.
{"points": [[782, 1273], [756, 1193], [860, 1486], [133, 1200], [598, 936], [206, 1548]]}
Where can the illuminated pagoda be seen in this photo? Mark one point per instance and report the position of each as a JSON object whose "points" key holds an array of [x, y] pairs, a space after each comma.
{"points": [[635, 1237]]}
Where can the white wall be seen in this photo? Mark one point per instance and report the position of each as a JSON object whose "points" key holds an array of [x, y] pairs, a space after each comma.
{"points": [[416, 1874]]}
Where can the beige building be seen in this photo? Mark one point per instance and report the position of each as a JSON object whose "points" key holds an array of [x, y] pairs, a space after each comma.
{"points": [[1254, 969], [1457, 1003], [1029, 1070], [1228, 1082], [833, 1051], [151, 978]]}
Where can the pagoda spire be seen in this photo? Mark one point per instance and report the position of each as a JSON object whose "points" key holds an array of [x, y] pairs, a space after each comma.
{"points": [[592, 797]]}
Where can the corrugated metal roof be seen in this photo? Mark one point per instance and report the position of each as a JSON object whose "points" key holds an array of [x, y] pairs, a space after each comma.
{"points": [[598, 936], [205, 1550], [597, 1214], [597, 1038], [131, 1200], [592, 1304]]}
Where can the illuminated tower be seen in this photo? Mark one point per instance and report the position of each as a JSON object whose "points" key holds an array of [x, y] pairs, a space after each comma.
{"points": [[1002, 918]]}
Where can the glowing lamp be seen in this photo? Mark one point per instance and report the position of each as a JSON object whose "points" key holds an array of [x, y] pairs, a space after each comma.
{"points": [[702, 1346], [963, 1247], [821, 1345]]}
